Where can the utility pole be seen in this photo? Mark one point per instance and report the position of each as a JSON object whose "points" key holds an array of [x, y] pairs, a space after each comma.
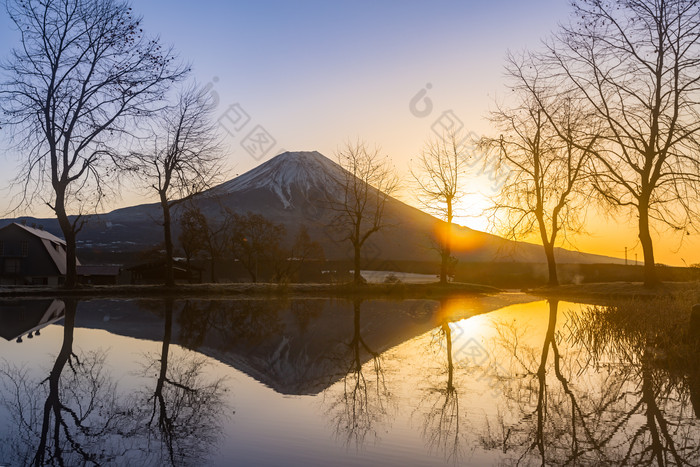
{"points": [[625, 256]]}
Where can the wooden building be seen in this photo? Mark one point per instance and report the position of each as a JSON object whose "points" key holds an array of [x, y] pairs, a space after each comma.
{"points": [[31, 256], [154, 272]]}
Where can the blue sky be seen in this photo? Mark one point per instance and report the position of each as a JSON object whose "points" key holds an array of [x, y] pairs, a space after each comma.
{"points": [[317, 73]]}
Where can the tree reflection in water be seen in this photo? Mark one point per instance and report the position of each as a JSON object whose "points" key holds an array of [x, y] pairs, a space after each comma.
{"points": [[81, 420], [77, 416], [364, 401], [656, 364], [439, 404], [589, 412], [183, 413]]}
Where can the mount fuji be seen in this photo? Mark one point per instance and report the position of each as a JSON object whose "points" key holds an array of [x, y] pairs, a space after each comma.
{"points": [[293, 189]]}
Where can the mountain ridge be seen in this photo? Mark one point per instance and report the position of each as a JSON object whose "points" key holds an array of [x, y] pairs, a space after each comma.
{"points": [[292, 189]]}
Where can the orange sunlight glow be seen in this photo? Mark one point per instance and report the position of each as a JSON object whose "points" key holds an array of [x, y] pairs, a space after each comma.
{"points": [[462, 239]]}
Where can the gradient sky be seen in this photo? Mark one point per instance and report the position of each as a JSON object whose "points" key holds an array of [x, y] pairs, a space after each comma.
{"points": [[317, 73]]}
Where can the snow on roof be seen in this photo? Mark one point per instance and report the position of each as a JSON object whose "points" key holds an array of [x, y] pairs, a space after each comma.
{"points": [[55, 247], [42, 234]]}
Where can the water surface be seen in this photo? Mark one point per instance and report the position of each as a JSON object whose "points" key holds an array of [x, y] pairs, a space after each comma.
{"points": [[501, 380]]}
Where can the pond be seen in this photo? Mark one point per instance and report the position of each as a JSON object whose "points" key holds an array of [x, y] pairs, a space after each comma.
{"points": [[491, 380]]}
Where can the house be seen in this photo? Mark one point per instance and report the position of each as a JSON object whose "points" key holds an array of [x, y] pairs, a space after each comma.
{"points": [[98, 274], [154, 272], [31, 256]]}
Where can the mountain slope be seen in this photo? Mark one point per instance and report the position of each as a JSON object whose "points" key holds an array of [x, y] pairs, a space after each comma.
{"points": [[293, 189]]}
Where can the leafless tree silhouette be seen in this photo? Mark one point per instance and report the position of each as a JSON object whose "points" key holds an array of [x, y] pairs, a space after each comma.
{"points": [[185, 158], [368, 182], [439, 173], [635, 65], [253, 239], [544, 156], [290, 262], [82, 74], [194, 232]]}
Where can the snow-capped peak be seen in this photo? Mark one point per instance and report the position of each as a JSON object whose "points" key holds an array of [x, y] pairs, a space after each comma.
{"points": [[304, 170]]}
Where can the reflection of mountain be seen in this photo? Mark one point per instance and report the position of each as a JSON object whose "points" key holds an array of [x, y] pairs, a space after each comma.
{"points": [[295, 347], [25, 317], [293, 189]]}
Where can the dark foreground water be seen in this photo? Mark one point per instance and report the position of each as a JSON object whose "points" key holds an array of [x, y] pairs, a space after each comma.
{"points": [[485, 381]]}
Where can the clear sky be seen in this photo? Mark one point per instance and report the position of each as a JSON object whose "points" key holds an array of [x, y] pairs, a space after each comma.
{"points": [[314, 74]]}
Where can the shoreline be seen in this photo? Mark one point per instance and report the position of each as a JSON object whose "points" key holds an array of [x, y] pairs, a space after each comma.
{"points": [[599, 291], [606, 291], [402, 290]]}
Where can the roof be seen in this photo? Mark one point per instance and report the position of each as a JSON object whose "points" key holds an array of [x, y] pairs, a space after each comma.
{"points": [[54, 246], [92, 270], [177, 264], [43, 234]]}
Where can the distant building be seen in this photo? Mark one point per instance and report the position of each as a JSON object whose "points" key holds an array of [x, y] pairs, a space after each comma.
{"points": [[154, 272], [31, 256], [98, 275]]}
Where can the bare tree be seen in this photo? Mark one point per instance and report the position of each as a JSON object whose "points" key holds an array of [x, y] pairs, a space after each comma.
{"points": [[636, 65], [201, 234], [185, 159], [289, 263], [438, 174], [193, 232], [368, 182], [543, 156], [82, 72], [254, 240]]}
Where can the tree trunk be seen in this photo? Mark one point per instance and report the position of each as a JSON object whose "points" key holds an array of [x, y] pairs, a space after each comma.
{"points": [[167, 234], [450, 365], [551, 264], [164, 423], [357, 337], [212, 266], [446, 252], [650, 277], [165, 348], [188, 262], [69, 235], [444, 261], [357, 277], [53, 400]]}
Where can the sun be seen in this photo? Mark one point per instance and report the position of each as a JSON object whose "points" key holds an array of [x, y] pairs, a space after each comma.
{"points": [[471, 210]]}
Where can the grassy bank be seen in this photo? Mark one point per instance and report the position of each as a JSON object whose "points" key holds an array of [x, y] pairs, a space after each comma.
{"points": [[603, 292], [256, 290]]}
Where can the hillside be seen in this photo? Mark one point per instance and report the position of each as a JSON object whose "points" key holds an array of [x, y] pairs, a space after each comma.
{"points": [[293, 189]]}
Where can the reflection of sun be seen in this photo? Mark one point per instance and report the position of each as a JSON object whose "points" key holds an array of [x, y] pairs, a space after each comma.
{"points": [[470, 327]]}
